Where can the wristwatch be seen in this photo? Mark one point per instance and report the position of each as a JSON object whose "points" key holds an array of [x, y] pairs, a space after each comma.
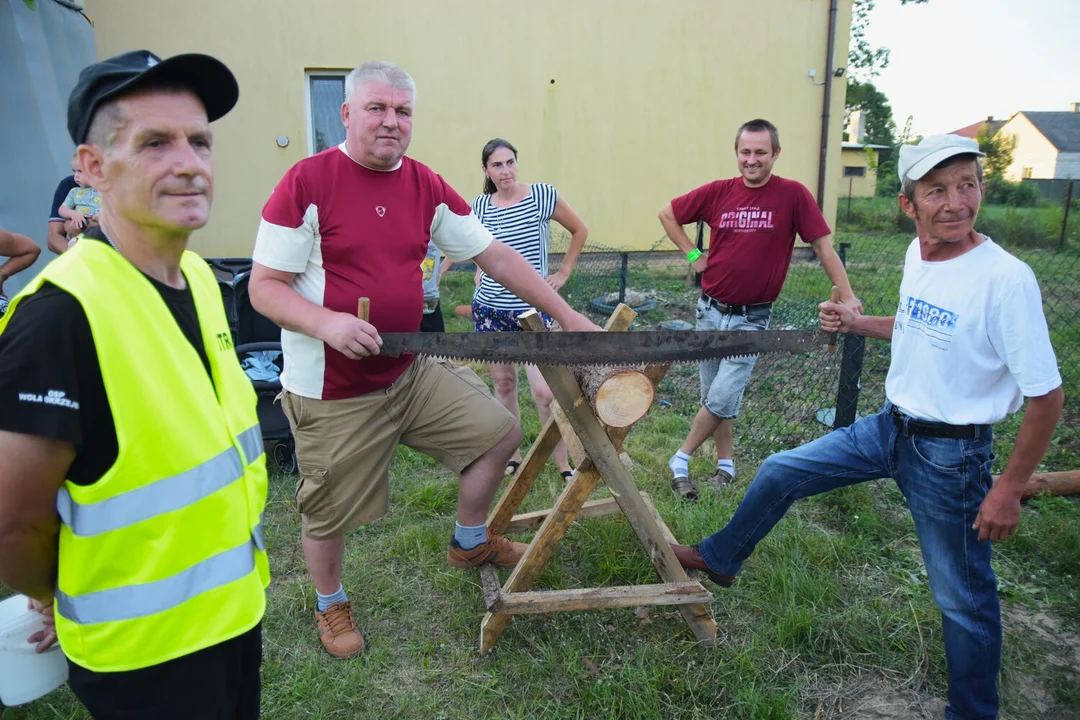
{"points": [[693, 255]]}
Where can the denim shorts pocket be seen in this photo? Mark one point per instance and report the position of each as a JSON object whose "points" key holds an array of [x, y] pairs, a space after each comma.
{"points": [[940, 453], [759, 318], [701, 309]]}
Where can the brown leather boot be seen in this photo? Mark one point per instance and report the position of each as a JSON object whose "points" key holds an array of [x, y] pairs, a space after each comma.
{"points": [[689, 557], [337, 630], [499, 550]]}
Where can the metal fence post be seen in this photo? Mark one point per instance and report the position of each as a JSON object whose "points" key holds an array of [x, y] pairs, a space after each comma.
{"points": [[1065, 221], [624, 258], [700, 246], [851, 365]]}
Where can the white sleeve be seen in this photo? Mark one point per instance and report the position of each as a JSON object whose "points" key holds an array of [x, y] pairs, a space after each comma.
{"points": [[460, 237], [1018, 332], [284, 248]]}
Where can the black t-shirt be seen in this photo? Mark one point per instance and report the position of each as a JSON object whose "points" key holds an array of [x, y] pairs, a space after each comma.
{"points": [[60, 196], [50, 379]]}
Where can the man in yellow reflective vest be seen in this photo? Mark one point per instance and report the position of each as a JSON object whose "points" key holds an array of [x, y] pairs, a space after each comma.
{"points": [[133, 477]]}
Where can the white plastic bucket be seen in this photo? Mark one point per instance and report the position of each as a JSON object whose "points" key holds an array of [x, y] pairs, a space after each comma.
{"points": [[26, 675]]}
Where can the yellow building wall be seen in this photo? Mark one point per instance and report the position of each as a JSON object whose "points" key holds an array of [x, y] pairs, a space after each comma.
{"points": [[644, 105], [864, 186], [1032, 150]]}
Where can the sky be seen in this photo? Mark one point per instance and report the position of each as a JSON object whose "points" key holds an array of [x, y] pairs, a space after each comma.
{"points": [[954, 62]]}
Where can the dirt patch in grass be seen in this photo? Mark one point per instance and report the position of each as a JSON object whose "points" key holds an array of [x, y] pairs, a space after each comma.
{"points": [[885, 703]]}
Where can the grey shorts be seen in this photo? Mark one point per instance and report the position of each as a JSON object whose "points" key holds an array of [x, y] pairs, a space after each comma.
{"points": [[723, 381]]}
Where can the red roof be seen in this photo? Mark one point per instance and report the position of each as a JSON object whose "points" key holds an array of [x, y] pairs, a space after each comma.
{"points": [[972, 130]]}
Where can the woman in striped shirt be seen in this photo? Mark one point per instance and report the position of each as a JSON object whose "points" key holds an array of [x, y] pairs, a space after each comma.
{"points": [[519, 215]]}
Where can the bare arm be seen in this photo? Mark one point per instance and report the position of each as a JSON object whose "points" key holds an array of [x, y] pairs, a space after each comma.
{"points": [[834, 268], [579, 233], [76, 217], [33, 470], [999, 515], [838, 317], [516, 274], [677, 235], [21, 252], [57, 239], [272, 294]]}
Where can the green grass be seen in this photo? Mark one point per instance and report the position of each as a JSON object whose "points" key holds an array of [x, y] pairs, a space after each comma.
{"points": [[834, 602], [831, 613], [1031, 227]]}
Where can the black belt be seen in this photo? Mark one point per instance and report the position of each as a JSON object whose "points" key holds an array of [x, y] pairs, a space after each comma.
{"points": [[727, 309], [934, 429]]}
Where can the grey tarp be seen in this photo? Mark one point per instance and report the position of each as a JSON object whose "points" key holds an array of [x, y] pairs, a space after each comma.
{"points": [[42, 50]]}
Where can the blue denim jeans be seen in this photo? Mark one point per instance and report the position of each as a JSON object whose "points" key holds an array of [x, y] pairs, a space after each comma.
{"points": [[944, 481], [723, 381]]}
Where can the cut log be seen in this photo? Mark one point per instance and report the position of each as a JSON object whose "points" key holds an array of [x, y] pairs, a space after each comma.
{"points": [[1053, 483], [620, 394]]}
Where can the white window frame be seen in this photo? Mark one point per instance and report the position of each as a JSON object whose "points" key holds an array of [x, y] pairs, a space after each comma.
{"points": [[308, 75]]}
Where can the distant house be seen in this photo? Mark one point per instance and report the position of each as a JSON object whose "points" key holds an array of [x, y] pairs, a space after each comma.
{"points": [[972, 131], [858, 169], [1047, 145], [858, 160]]}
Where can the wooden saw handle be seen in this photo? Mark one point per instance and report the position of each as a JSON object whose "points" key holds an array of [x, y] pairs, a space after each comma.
{"points": [[363, 308], [834, 296]]}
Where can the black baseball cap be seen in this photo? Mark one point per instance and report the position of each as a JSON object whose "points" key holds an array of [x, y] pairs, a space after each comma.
{"points": [[207, 77]]}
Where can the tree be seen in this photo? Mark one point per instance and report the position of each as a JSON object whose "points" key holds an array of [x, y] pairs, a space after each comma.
{"points": [[863, 60], [879, 127], [864, 63], [998, 149]]}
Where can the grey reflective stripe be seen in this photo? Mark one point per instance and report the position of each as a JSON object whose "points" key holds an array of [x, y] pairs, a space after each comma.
{"points": [[135, 601], [251, 442], [161, 496], [257, 534], [165, 495]]}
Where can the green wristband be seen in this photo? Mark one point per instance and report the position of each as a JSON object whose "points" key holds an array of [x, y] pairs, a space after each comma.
{"points": [[693, 255]]}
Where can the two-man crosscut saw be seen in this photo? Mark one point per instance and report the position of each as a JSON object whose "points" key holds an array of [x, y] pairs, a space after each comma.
{"points": [[603, 348]]}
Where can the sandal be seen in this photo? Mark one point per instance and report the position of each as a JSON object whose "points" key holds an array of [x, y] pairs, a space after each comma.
{"points": [[684, 488], [511, 467]]}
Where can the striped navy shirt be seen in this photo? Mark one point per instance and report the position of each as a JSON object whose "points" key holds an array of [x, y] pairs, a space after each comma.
{"points": [[525, 227]]}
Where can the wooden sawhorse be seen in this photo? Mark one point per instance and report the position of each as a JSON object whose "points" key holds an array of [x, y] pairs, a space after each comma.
{"points": [[595, 450]]}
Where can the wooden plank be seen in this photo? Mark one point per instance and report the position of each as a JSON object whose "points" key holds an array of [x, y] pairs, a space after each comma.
{"points": [[570, 501], [574, 448], [547, 538], [545, 601], [619, 321], [591, 509], [606, 459], [524, 478], [549, 436], [489, 582]]}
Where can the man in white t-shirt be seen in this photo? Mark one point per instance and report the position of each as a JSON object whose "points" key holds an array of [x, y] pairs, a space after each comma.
{"points": [[356, 221], [969, 343]]}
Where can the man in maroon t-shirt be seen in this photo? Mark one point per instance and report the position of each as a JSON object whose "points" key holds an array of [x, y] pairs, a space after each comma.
{"points": [[753, 221], [355, 221]]}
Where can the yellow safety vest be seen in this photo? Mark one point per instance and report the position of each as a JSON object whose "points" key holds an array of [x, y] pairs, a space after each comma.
{"points": [[164, 555]]}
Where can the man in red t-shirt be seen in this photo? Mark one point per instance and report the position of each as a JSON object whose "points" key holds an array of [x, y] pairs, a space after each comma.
{"points": [[753, 221], [355, 221]]}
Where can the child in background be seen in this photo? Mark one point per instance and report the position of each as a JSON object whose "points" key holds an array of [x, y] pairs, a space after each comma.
{"points": [[82, 204]]}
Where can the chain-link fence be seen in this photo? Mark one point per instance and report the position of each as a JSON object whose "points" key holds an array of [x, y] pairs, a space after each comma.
{"points": [[792, 399]]}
